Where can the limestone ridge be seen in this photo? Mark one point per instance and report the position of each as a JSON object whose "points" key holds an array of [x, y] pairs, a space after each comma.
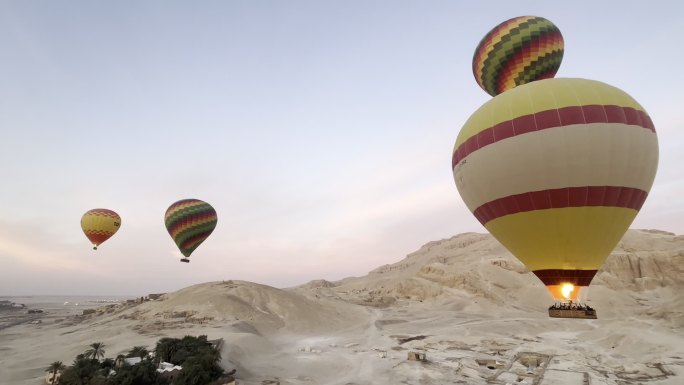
{"points": [[467, 273], [472, 266]]}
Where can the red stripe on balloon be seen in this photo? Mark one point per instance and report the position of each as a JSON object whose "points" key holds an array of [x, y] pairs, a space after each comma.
{"points": [[103, 212], [589, 196], [550, 119], [97, 237]]}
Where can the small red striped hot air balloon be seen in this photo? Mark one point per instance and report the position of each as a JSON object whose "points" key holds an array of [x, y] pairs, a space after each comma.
{"points": [[190, 222], [99, 225], [557, 170]]}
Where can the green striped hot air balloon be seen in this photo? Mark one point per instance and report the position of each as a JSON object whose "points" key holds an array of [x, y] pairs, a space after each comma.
{"points": [[516, 52], [190, 222]]}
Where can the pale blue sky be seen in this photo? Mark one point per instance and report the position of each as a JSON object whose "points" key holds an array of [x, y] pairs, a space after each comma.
{"points": [[320, 131]]}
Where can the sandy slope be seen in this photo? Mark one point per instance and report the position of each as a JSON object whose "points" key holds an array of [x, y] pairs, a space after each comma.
{"points": [[459, 300]]}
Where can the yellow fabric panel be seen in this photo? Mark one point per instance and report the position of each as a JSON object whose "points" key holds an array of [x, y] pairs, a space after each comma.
{"points": [[543, 95], [99, 223], [568, 94], [564, 238], [510, 108], [544, 98]]}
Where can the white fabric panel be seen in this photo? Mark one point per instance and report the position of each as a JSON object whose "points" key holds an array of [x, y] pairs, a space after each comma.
{"points": [[597, 154]]}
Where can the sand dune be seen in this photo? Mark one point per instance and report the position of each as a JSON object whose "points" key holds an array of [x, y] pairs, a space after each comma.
{"points": [[476, 312], [263, 307]]}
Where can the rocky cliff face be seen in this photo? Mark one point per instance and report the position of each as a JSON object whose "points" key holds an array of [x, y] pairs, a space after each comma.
{"points": [[644, 273], [645, 260], [469, 272]]}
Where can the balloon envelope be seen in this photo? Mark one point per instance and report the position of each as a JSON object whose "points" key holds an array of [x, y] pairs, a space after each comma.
{"points": [[557, 170], [516, 52], [99, 225], [190, 222]]}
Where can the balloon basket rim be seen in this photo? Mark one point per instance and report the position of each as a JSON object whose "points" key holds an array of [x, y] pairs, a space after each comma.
{"points": [[573, 313]]}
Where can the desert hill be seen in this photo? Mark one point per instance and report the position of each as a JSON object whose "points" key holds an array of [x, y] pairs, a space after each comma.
{"points": [[472, 266], [469, 272], [245, 306], [478, 314]]}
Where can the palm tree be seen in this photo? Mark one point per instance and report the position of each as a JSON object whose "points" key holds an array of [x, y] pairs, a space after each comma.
{"points": [[120, 360], [107, 367], [138, 351], [96, 351], [166, 348], [55, 367]]}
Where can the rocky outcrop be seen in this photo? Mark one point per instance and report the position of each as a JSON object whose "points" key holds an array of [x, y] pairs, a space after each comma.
{"points": [[317, 283], [645, 260], [647, 267], [645, 270]]}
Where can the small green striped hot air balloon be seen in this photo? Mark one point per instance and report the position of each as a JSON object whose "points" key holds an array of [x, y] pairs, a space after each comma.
{"points": [[516, 52], [190, 222]]}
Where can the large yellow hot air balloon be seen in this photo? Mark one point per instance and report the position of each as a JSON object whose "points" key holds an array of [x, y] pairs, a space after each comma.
{"points": [[99, 225], [557, 170]]}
